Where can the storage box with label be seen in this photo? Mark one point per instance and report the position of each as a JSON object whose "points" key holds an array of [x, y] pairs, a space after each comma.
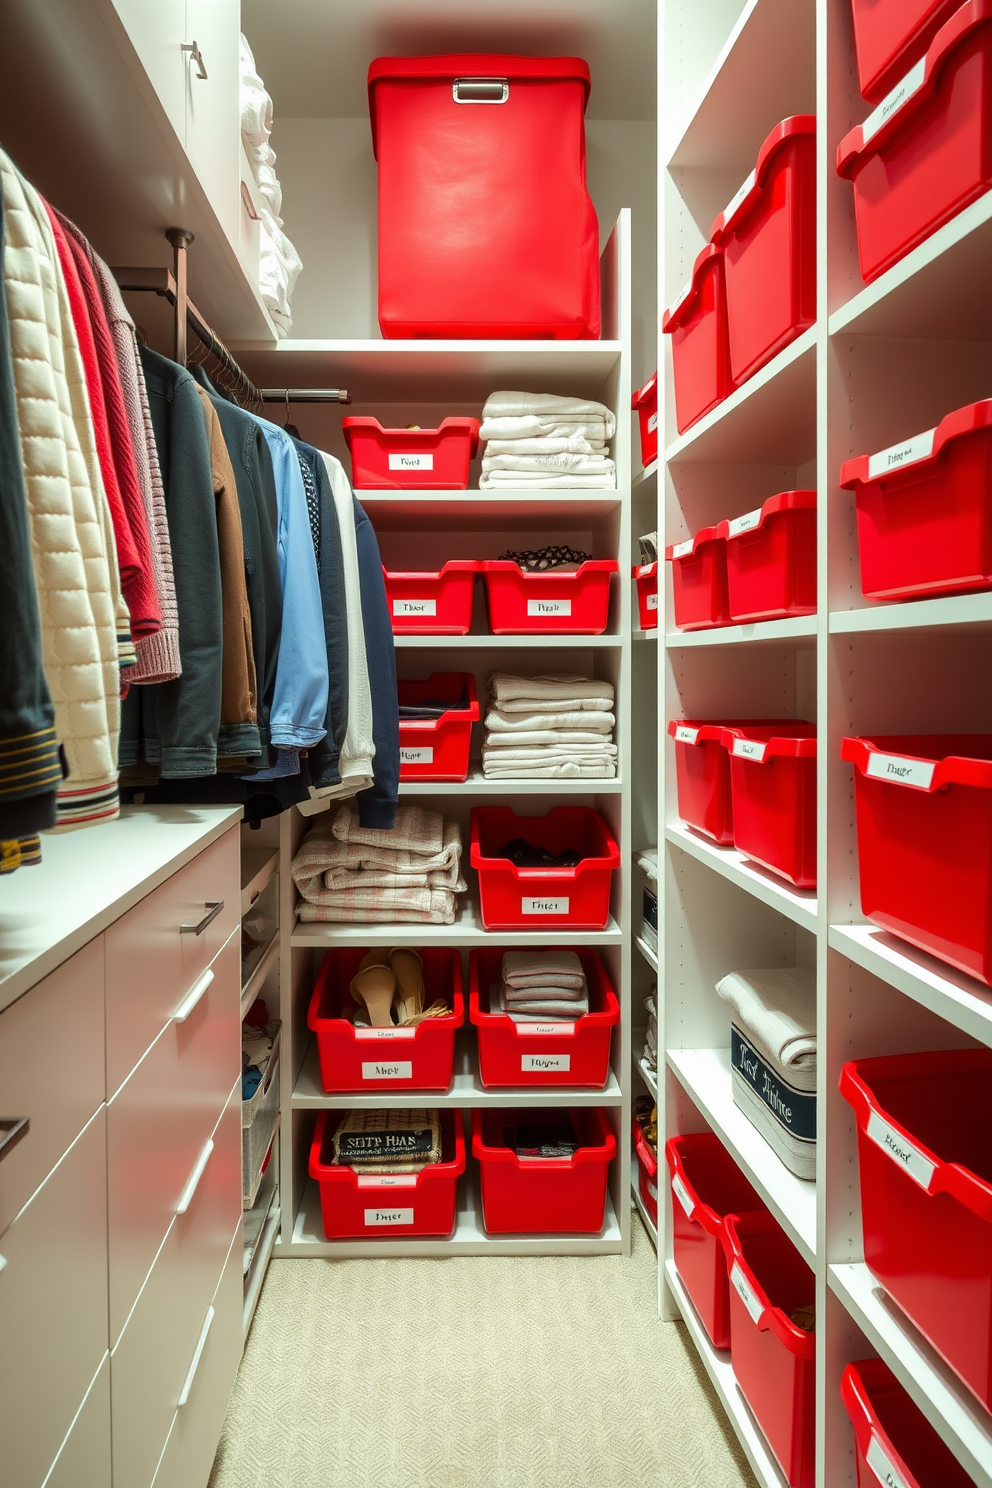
{"points": [[543, 1171], [411, 459], [548, 602], [697, 324], [897, 1446], [773, 788], [645, 405], [645, 576], [436, 718], [434, 602], [771, 559], [699, 580], [550, 872]]}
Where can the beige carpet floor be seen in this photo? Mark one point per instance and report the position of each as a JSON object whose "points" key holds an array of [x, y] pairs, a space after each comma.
{"points": [[530, 1372]]}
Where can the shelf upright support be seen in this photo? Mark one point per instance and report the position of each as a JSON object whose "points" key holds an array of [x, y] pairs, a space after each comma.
{"points": [[180, 239]]}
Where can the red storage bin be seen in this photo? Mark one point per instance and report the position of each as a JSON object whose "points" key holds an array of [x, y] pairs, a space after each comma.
{"points": [[512, 898], [897, 1446], [925, 1155], [545, 1195], [514, 1055], [697, 324], [702, 773], [486, 228], [924, 822], [548, 603], [699, 580], [773, 786], [891, 35], [419, 1058], [926, 152], [646, 576], [433, 603], [387, 1206], [411, 459], [771, 559], [645, 405], [647, 1171], [925, 509], [707, 1185], [774, 1360], [768, 236], [438, 749]]}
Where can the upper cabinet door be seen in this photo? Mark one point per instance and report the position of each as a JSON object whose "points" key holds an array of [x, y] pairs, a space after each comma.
{"points": [[158, 31], [213, 117]]}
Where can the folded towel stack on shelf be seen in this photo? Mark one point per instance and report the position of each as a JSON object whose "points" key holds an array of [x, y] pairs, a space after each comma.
{"points": [[539, 985], [359, 874], [549, 727], [542, 442], [650, 1052], [279, 262]]}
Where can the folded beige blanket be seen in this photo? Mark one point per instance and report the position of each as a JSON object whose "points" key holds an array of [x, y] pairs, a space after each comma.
{"points": [[500, 721], [548, 738], [383, 906], [416, 830], [547, 753], [560, 690], [566, 771], [577, 443], [339, 865], [512, 479], [529, 968]]}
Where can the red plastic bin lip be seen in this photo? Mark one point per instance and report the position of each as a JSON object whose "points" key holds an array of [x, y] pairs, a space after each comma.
{"points": [[341, 1173], [479, 859], [855, 1382], [772, 1318], [643, 1151], [606, 1151], [454, 565], [711, 730], [591, 565], [955, 425], [644, 570], [454, 425], [892, 113], [470, 714], [795, 740], [317, 1021], [700, 1213], [675, 552], [783, 502], [783, 134], [647, 392], [968, 760], [676, 315]]}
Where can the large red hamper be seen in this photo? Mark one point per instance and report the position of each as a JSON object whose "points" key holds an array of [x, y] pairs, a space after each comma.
{"points": [[702, 773], [699, 580], [924, 822], [774, 1359], [512, 898], [926, 152], [438, 748], [891, 35], [486, 227], [925, 509], [697, 324], [647, 1171], [544, 1195], [925, 1155], [411, 459], [707, 1185], [771, 559], [768, 236], [386, 1206], [433, 603], [548, 603], [645, 405], [897, 1447], [384, 1059], [773, 785], [646, 578], [514, 1055]]}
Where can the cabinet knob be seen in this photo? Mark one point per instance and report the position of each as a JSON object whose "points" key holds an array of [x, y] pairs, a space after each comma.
{"points": [[12, 1129], [196, 56]]}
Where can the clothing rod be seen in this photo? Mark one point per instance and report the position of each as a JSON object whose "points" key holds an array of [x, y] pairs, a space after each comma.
{"points": [[305, 395]]}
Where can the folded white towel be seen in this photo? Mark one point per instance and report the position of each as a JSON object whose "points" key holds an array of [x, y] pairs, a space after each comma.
{"points": [[520, 405], [574, 444], [556, 464], [570, 771], [549, 737], [779, 1007], [499, 721], [594, 430], [521, 480], [556, 689], [549, 754], [647, 861]]}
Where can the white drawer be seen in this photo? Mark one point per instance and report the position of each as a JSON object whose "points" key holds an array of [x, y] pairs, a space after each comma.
{"points": [[84, 1461], [53, 1309], [158, 1123], [51, 1072], [152, 963]]}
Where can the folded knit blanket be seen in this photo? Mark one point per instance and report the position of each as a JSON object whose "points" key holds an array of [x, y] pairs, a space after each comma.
{"points": [[513, 479], [416, 830], [559, 689], [502, 721], [539, 1008], [532, 968], [779, 1005], [383, 906]]}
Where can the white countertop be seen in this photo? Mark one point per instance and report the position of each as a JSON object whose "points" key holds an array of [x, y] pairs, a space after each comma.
{"points": [[87, 879]]}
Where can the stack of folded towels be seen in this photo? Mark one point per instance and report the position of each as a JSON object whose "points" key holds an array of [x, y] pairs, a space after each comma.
{"points": [[549, 727], [540, 441], [279, 262], [650, 1054], [538, 985], [344, 871]]}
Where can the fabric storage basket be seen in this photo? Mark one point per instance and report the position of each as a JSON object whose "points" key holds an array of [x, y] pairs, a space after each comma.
{"points": [[697, 324], [771, 559], [513, 898], [647, 1171], [545, 1054], [411, 459], [896, 1445], [645, 405], [924, 824], [924, 509], [387, 1206], [926, 151], [385, 1059], [774, 1360], [699, 580], [486, 227], [891, 35], [707, 1185], [925, 1155], [548, 603], [545, 1195], [773, 786], [438, 748], [773, 1058], [646, 577], [432, 603], [768, 236], [258, 1122]]}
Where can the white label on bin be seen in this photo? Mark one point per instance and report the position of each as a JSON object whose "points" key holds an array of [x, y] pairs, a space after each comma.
{"points": [[686, 735], [750, 749], [683, 1195], [910, 84], [746, 523], [544, 1030], [901, 1150], [901, 771], [682, 549], [389, 1216], [544, 906], [878, 1460], [385, 1033], [414, 607], [644, 569], [411, 462], [746, 1292], [391, 1069], [652, 603], [549, 607], [387, 1180], [920, 447], [530, 1063], [421, 756], [652, 422], [680, 300], [653, 1190], [737, 198]]}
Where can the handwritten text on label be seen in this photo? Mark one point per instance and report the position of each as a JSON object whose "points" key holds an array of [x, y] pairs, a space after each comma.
{"points": [[910, 84], [389, 1216], [746, 1292], [421, 756], [746, 523], [549, 607], [414, 607], [411, 462], [395, 1069], [901, 1151], [920, 447], [901, 771], [529, 1063], [878, 1460], [544, 906], [749, 749]]}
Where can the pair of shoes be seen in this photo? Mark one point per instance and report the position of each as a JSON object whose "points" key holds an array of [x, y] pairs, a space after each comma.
{"points": [[393, 979]]}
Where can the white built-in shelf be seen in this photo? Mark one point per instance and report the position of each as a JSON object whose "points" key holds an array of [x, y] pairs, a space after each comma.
{"points": [[951, 994], [644, 635], [770, 420], [260, 1263], [258, 864], [648, 473], [706, 1077], [649, 1077], [480, 511], [721, 1372], [640, 1206], [507, 642], [650, 956], [478, 784], [257, 980], [949, 1407], [798, 632], [798, 904], [466, 931], [967, 611]]}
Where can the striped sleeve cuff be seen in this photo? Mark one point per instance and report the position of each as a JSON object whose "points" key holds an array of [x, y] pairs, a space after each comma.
{"points": [[30, 764]]}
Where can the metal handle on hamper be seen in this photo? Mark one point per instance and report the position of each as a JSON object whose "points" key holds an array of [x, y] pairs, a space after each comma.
{"points": [[213, 908], [196, 56], [11, 1132], [480, 90]]}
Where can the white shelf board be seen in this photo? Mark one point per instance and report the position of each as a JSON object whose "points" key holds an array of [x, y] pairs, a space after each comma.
{"points": [[644, 635], [478, 785], [260, 1264], [649, 1077], [968, 611], [798, 631], [951, 994], [770, 420], [650, 956], [949, 1407], [648, 473], [705, 1076], [254, 984], [466, 931], [639, 1205], [258, 864], [798, 904], [506, 642], [721, 1372], [478, 511]]}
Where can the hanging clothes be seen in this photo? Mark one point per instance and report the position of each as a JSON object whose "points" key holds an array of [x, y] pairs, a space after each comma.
{"points": [[324, 757]]}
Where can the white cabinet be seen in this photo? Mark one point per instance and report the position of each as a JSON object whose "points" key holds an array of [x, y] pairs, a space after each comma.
{"points": [[157, 33]]}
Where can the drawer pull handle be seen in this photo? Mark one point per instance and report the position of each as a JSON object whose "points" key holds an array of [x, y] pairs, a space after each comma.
{"points": [[249, 204], [3, 1263], [213, 908], [201, 1344], [196, 56], [193, 996], [11, 1132], [193, 1181]]}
